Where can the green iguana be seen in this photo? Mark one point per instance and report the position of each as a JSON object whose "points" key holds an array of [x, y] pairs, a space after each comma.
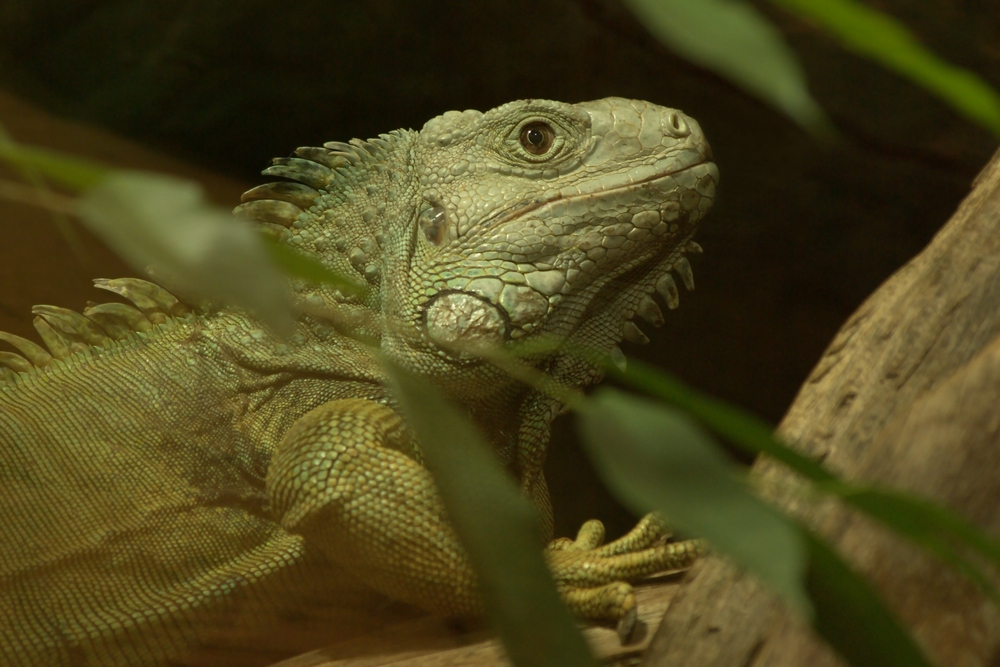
{"points": [[174, 475]]}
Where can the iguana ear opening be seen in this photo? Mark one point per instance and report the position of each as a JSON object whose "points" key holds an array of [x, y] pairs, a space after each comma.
{"points": [[433, 222]]}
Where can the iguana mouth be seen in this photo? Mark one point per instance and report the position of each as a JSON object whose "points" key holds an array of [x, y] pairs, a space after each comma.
{"points": [[525, 208]]}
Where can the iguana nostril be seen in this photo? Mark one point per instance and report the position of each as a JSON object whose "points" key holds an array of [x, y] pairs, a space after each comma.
{"points": [[675, 125]]}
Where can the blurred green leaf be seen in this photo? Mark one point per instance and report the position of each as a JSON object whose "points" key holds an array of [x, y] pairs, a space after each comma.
{"points": [[197, 248], [930, 526], [733, 39], [847, 611], [737, 425], [656, 459], [871, 33], [498, 527], [72, 172], [850, 616], [47, 198], [298, 265]]}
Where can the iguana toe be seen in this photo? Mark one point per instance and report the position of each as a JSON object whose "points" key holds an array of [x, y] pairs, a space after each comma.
{"points": [[593, 579]]}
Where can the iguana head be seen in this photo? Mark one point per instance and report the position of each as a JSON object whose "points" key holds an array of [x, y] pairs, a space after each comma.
{"points": [[539, 217], [533, 218]]}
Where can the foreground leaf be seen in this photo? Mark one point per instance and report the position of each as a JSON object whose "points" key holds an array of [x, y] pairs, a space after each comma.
{"points": [[850, 616], [299, 265], [885, 40], [498, 527], [932, 527], [936, 529], [733, 39], [44, 196], [72, 172], [197, 248], [744, 429], [848, 613], [656, 459]]}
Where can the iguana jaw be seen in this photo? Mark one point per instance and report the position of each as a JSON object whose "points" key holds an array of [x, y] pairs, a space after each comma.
{"points": [[537, 207], [661, 239], [568, 287]]}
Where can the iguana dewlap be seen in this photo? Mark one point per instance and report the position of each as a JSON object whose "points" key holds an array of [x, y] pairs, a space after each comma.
{"points": [[172, 475]]}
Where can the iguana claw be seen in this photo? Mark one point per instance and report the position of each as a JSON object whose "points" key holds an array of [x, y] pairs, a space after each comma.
{"points": [[593, 578]]}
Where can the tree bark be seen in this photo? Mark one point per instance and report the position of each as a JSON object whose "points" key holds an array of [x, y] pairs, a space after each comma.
{"points": [[429, 641], [906, 396]]}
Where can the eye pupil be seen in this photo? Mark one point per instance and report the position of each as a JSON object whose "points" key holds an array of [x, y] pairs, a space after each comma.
{"points": [[537, 138]]}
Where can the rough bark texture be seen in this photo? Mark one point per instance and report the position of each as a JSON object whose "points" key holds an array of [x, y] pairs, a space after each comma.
{"points": [[907, 396]]}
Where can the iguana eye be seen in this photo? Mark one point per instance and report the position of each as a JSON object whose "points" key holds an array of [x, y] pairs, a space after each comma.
{"points": [[537, 137]]}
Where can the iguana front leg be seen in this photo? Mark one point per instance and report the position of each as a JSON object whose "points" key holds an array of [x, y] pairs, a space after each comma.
{"points": [[348, 477]]}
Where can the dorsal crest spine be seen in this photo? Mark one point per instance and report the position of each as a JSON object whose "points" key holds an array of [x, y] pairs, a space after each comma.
{"points": [[69, 335]]}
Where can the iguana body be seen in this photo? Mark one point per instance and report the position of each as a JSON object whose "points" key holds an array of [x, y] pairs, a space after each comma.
{"points": [[172, 475]]}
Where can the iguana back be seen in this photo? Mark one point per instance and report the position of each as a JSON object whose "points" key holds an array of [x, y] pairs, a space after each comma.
{"points": [[134, 510]]}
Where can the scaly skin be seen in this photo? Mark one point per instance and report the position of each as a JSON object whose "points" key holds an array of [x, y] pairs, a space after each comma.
{"points": [[174, 478]]}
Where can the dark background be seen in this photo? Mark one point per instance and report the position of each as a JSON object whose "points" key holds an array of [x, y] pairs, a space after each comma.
{"points": [[799, 237]]}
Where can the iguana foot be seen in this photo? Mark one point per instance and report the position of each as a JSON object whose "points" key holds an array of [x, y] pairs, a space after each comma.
{"points": [[593, 577]]}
